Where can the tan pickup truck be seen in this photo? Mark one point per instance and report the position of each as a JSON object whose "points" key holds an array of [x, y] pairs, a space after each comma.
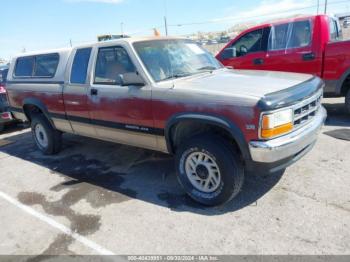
{"points": [[170, 95]]}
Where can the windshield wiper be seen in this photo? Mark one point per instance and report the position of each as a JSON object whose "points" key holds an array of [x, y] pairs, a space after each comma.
{"points": [[209, 68], [176, 76]]}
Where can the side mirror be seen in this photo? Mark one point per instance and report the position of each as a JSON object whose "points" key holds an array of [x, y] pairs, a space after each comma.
{"points": [[131, 79], [229, 53]]}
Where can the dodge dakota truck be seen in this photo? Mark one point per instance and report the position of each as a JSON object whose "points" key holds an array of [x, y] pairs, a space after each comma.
{"points": [[309, 45], [170, 95]]}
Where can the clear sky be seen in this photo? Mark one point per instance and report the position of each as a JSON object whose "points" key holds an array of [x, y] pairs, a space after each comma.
{"points": [[43, 24]]}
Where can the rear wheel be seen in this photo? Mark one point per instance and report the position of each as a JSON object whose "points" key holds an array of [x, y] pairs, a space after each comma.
{"points": [[209, 170], [347, 101], [47, 139]]}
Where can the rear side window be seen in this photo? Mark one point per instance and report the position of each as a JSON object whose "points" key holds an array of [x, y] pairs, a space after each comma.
{"points": [[291, 35], [37, 66], [24, 67], [333, 27], [80, 66], [300, 34], [46, 65]]}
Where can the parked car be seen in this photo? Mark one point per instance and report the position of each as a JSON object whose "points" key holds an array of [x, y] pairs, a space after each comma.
{"points": [[224, 39], [5, 115], [170, 95], [304, 45], [346, 23]]}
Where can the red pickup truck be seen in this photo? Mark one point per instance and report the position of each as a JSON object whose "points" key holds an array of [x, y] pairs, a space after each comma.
{"points": [[303, 45]]}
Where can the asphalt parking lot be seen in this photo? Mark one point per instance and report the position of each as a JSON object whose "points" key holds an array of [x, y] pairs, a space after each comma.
{"points": [[101, 198]]}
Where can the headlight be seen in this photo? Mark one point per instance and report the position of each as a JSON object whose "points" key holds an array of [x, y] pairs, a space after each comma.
{"points": [[276, 124]]}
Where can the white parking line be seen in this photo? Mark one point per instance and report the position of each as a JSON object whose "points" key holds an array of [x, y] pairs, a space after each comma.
{"points": [[99, 249]]}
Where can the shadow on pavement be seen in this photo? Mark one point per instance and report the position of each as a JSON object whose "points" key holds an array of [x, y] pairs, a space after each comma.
{"points": [[105, 173], [14, 127], [337, 115]]}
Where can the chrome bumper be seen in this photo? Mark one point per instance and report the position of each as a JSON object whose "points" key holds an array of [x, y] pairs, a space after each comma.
{"points": [[289, 145]]}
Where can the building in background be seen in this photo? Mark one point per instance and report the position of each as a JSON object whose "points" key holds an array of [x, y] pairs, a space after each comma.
{"points": [[344, 20]]}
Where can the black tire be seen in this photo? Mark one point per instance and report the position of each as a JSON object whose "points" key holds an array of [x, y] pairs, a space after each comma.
{"points": [[229, 164], [347, 101], [2, 127], [53, 137]]}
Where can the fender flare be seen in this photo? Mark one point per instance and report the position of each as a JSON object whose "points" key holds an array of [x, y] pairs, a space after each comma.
{"points": [[341, 81], [218, 121], [36, 102]]}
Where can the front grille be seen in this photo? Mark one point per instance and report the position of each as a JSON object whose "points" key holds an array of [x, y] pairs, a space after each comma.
{"points": [[305, 111]]}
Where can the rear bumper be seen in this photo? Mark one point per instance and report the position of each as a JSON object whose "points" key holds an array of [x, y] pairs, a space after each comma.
{"points": [[281, 152]]}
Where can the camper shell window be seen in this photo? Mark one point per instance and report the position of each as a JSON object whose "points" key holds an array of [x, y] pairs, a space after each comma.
{"points": [[39, 66]]}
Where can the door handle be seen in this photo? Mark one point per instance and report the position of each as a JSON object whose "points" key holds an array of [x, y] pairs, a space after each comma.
{"points": [[308, 56], [258, 61], [94, 92]]}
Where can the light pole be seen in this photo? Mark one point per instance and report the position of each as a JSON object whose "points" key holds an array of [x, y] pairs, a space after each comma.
{"points": [[166, 26], [165, 18], [325, 7]]}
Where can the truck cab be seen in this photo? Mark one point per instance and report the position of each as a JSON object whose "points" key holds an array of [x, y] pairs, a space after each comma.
{"points": [[309, 45]]}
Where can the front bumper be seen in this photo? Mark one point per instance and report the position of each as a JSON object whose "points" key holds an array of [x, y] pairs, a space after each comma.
{"points": [[287, 149]]}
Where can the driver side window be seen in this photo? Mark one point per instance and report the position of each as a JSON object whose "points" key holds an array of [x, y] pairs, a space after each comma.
{"points": [[111, 63], [248, 43]]}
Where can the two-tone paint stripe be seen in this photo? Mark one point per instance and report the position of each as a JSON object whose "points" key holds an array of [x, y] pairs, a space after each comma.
{"points": [[102, 123]]}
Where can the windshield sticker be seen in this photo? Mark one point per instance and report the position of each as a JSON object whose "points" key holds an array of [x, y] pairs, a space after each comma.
{"points": [[196, 49]]}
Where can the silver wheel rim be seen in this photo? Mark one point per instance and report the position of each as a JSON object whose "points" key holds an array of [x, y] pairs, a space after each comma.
{"points": [[203, 172], [41, 136]]}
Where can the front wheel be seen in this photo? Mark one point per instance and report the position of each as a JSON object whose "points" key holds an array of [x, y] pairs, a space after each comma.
{"points": [[47, 139], [209, 170]]}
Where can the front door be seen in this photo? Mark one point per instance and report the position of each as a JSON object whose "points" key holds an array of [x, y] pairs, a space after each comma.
{"points": [[121, 114], [247, 52]]}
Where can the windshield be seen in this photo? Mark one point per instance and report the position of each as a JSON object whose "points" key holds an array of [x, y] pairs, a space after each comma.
{"points": [[167, 59]]}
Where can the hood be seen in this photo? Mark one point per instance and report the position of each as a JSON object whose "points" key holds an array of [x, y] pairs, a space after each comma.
{"points": [[243, 82]]}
